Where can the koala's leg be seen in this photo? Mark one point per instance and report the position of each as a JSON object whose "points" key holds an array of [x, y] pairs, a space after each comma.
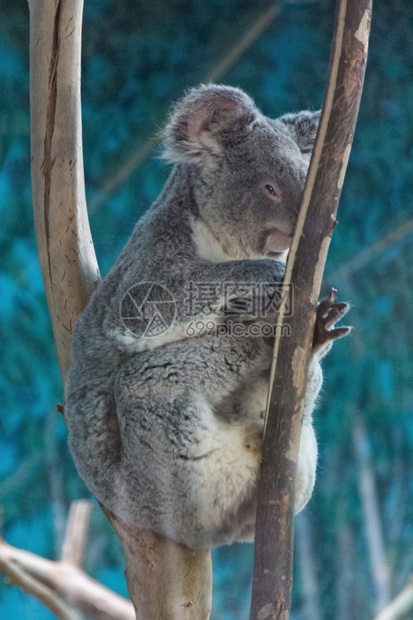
{"points": [[185, 471]]}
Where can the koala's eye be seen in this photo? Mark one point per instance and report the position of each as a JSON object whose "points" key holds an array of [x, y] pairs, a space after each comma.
{"points": [[272, 191]]}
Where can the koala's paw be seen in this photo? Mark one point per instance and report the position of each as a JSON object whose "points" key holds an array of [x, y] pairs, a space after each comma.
{"points": [[328, 313]]}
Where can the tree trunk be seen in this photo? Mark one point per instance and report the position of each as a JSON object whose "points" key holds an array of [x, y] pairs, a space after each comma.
{"points": [[272, 581], [166, 581]]}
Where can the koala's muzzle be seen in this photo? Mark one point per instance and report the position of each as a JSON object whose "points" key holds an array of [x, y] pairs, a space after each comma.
{"points": [[275, 241]]}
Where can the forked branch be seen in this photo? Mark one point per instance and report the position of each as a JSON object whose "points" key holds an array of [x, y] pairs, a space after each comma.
{"points": [[70, 271], [63, 586]]}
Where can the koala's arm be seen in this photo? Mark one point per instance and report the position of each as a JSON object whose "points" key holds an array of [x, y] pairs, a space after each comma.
{"points": [[261, 275], [178, 284], [245, 271], [327, 314]]}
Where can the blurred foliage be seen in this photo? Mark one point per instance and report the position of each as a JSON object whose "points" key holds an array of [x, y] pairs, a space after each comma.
{"points": [[137, 58]]}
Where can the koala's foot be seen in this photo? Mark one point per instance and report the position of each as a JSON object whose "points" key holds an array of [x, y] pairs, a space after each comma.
{"points": [[328, 313]]}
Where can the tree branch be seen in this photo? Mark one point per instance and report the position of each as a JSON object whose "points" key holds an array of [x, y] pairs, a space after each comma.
{"points": [[70, 271], [272, 581], [166, 580], [66, 583], [35, 588], [76, 532], [235, 53], [365, 257], [64, 242], [143, 151]]}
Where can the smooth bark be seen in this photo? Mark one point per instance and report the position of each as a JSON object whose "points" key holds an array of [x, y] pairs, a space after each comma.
{"points": [[70, 271]]}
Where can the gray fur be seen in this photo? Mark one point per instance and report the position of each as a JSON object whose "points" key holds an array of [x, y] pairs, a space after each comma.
{"points": [[166, 430]]}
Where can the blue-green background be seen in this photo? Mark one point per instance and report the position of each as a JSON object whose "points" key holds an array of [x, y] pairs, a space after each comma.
{"points": [[138, 57]]}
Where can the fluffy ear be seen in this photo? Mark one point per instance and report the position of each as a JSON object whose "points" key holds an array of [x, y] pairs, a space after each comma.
{"points": [[197, 121], [303, 128]]}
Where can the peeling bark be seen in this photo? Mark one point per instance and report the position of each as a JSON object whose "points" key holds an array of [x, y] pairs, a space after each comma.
{"points": [[272, 581]]}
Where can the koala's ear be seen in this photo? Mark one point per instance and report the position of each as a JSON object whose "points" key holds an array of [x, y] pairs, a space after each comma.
{"points": [[303, 128], [197, 122]]}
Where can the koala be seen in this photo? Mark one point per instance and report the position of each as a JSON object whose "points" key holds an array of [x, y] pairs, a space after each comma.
{"points": [[164, 399]]}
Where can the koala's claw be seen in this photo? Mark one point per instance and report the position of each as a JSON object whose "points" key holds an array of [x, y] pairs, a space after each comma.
{"points": [[328, 313]]}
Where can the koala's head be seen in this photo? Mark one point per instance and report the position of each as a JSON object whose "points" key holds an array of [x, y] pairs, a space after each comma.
{"points": [[249, 171]]}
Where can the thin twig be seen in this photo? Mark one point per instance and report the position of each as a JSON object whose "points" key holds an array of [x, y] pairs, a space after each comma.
{"points": [[142, 152], [364, 257], [243, 44]]}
